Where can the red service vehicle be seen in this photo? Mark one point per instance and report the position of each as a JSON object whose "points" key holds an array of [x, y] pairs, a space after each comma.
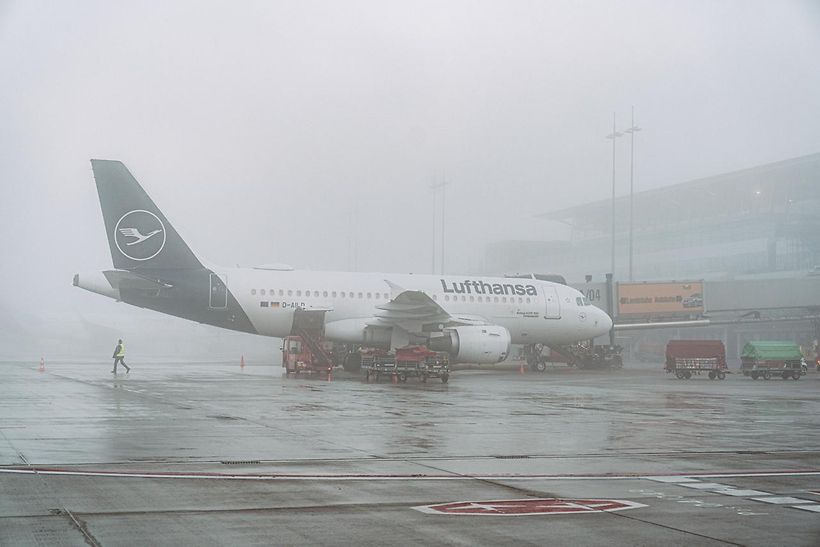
{"points": [[299, 356], [687, 357]]}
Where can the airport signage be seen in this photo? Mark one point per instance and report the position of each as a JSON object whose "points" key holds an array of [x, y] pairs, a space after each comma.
{"points": [[595, 293], [528, 506], [660, 299]]}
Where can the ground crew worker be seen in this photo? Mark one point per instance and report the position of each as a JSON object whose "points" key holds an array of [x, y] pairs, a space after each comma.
{"points": [[119, 357]]}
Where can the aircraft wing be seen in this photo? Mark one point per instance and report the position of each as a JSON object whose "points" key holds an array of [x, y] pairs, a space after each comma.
{"points": [[411, 310]]}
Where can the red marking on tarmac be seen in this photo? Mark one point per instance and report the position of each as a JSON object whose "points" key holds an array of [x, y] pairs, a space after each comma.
{"points": [[545, 506]]}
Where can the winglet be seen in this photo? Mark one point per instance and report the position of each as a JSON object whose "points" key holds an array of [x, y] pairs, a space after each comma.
{"points": [[395, 290]]}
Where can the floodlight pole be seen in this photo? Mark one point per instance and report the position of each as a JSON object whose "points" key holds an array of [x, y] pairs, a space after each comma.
{"points": [[632, 130], [614, 135], [435, 188]]}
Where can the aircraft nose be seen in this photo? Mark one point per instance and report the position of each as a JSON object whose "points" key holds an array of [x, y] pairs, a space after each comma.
{"points": [[602, 322]]}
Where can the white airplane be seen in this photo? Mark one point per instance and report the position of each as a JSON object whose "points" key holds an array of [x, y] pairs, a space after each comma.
{"points": [[473, 318]]}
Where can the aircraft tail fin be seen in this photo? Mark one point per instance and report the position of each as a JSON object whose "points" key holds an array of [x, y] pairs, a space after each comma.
{"points": [[139, 235]]}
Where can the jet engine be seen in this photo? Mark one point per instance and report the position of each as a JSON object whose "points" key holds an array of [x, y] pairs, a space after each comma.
{"points": [[480, 344]]}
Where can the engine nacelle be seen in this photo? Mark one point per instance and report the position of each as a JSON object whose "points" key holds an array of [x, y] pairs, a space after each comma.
{"points": [[357, 331], [481, 344]]}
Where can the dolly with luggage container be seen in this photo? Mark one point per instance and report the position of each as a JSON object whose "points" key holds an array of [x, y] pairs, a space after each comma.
{"points": [[409, 362], [685, 358]]}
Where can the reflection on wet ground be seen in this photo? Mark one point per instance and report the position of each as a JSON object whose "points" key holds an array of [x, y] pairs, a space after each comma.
{"points": [[219, 455]]}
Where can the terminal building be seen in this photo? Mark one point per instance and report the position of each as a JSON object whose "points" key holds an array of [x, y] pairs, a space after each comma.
{"points": [[748, 226]]}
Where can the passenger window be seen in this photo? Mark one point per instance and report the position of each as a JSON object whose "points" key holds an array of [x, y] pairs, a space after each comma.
{"points": [[298, 293], [369, 295], [281, 292], [262, 292], [495, 299], [342, 294], [253, 291], [435, 297], [361, 295], [324, 294], [333, 294], [480, 299], [315, 293], [446, 297], [290, 292], [528, 300]]}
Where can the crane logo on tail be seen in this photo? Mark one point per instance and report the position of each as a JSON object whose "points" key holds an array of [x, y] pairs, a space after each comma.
{"points": [[139, 235]]}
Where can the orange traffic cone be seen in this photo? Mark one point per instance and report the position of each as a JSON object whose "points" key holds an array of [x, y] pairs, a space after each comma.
{"points": [[42, 365], [242, 362]]}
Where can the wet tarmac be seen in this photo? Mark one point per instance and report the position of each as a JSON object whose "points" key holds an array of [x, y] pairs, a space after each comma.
{"points": [[217, 455]]}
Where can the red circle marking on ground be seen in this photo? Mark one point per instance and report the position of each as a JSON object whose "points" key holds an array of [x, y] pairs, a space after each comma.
{"points": [[529, 506]]}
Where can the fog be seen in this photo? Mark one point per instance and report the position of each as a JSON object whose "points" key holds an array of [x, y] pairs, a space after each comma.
{"points": [[309, 132]]}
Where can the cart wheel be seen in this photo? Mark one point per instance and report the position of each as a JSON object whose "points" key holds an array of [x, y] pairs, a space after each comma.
{"points": [[367, 376], [785, 375], [679, 374], [402, 378], [444, 378], [687, 374], [767, 375], [540, 366], [795, 375], [721, 375], [423, 378], [712, 375], [754, 376]]}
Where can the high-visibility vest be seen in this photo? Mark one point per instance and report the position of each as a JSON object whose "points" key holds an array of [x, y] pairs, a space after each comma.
{"points": [[121, 353]]}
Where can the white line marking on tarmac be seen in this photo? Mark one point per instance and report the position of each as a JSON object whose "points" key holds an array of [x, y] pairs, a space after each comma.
{"points": [[813, 508], [376, 476], [783, 500], [672, 479], [703, 485], [729, 491]]}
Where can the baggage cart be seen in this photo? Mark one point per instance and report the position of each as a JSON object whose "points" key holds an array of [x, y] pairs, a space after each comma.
{"points": [[685, 358], [768, 358], [410, 362]]}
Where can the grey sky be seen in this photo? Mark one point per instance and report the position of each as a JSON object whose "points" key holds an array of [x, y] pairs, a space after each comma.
{"points": [[259, 127]]}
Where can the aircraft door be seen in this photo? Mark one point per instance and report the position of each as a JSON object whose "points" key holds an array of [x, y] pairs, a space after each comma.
{"points": [[553, 303], [218, 294]]}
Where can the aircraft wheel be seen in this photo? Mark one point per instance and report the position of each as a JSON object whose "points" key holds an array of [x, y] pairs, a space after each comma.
{"points": [[679, 374], [540, 366], [687, 374], [754, 376], [712, 375], [795, 375]]}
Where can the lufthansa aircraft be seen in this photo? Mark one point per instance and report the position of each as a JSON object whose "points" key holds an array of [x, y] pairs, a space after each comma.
{"points": [[475, 319]]}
